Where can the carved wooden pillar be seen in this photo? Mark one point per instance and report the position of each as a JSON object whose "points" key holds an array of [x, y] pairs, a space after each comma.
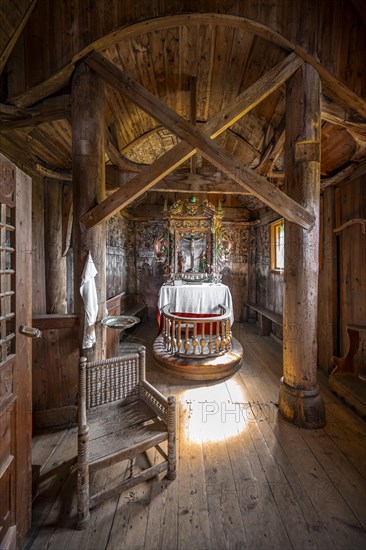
{"points": [[300, 401], [88, 129], [55, 262]]}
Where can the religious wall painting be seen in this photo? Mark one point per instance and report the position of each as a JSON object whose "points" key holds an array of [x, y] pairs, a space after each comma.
{"points": [[147, 235], [263, 246], [120, 234]]}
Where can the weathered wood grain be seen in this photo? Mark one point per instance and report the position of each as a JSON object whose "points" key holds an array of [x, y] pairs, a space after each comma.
{"points": [[88, 188], [260, 187], [284, 482], [301, 253], [55, 266]]}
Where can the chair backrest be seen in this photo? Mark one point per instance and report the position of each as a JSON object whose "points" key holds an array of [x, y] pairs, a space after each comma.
{"points": [[112, 379]]}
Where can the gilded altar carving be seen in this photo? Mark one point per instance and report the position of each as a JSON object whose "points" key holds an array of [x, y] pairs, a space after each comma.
{"points": [[190, 245]]}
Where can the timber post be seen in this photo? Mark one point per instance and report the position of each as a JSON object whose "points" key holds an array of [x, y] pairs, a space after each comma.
{"points": [[56, 276], [328, 329], [300, 401], [88, 172]]}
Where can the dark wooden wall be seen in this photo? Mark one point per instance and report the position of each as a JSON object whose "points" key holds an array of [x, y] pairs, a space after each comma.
{"points": [[55, 358], [266, 287], [38, 256], [352, 265], [120, 260], [342, 272], [149, 272], [342, 287], [68, 26], [235, 272]]}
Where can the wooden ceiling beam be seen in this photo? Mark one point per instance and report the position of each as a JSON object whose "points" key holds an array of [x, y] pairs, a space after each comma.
{"points": [[53, 174], [154, 212], [220, 188], [348, 174], [179, 181], [335, 114], [193, 115], [259, 186], [116, 157], [339, 91], [4, 55], [55, 108]]}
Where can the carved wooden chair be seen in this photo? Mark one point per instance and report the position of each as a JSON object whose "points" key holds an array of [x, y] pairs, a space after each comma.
{"points": [[121, 416]]}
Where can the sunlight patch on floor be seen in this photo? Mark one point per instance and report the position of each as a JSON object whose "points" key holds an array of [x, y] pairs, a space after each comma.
{"points": [[214, 413]]}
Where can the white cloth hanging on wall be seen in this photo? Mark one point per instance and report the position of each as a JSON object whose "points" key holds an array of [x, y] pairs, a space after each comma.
{"points": [[88, 293]]}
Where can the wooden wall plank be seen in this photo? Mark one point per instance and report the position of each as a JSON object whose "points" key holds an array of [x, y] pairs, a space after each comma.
{"points": [[56, 300], [38, 256], [55, 370], [328, 290], [22, 372]]}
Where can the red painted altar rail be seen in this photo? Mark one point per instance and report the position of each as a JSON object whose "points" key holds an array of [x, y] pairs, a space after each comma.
{"points": [[196, 334]]}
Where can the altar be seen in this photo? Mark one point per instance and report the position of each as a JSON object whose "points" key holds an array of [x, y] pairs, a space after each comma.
{"points": [[201, 299], [194, 309]]}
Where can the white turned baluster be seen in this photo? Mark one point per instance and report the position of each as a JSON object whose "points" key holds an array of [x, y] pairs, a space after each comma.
{"points": [[211, 343], [203, 341], [173, 339], [194, 341], [187, 344], [179, 341], [218, 338]]}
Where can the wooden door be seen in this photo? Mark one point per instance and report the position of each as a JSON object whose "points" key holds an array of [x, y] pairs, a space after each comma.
{"points": [[15, 355]]}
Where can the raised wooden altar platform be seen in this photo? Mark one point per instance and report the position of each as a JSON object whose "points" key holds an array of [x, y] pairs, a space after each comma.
{"points": [[196, 341]]}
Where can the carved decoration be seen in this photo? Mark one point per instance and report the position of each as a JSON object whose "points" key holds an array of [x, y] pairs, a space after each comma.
{"points": [[7, 183], [190, 245]]}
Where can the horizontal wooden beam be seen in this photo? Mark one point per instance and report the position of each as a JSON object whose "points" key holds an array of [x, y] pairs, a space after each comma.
{"points": [[55, 321], [154, 212], [347, 118], [166, 186], [339, 90], [348, 174], [12, 111], [179, 181], [247, 178], [55, 108], [53, 174]]}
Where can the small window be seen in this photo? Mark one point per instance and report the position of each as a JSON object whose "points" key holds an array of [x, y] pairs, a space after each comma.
{"points": [[278, 245]]}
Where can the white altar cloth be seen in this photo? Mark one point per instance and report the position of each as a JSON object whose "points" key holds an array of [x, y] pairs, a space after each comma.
{"points": [[199, 299]]}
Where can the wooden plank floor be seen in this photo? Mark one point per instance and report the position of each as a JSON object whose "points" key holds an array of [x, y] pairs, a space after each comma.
{"points": [[246, 478]]}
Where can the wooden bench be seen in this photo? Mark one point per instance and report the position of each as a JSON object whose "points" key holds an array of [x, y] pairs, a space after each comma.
{"points": [[345, 379], [266, 317], [133, 304]]}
